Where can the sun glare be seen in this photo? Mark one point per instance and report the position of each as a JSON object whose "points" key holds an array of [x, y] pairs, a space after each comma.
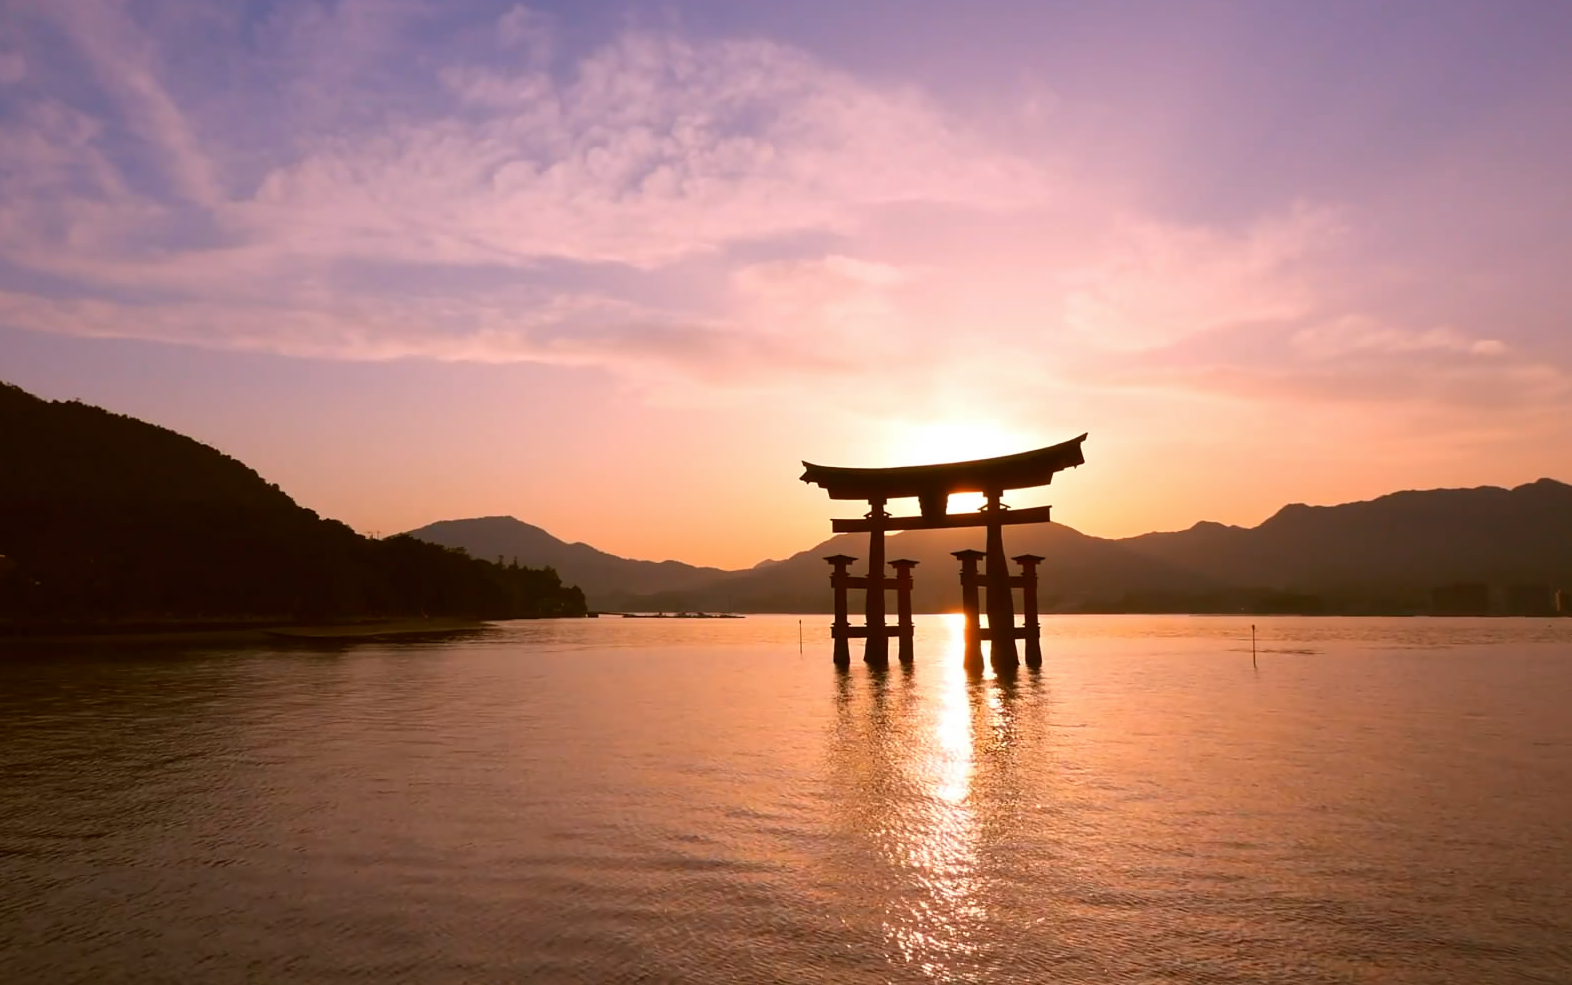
{"points": [[953, 441]]}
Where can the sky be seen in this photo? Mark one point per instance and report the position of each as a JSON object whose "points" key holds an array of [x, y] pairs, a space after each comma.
{"points": [[616, 268]]}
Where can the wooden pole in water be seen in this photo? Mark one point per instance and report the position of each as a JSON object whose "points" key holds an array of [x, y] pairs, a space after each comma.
{"points": [[1252, 645]]}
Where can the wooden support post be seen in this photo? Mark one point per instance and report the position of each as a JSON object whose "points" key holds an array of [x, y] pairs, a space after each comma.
{"points": [[1001, 603], [903, 607], [876, 650], [973, 658], [840, 630], [1033, 629]]}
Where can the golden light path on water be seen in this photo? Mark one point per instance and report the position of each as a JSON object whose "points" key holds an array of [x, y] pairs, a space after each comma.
{"points": [[937, 841]]}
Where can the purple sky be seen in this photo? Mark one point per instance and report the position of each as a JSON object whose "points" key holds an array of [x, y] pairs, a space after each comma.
{"points": [[418, 260]]}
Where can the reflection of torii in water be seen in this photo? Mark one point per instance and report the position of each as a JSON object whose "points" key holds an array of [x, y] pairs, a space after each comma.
{"points": [[932, 485]]}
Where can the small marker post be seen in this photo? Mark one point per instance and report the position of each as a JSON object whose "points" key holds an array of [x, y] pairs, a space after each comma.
{"points": [[1252, 646]]}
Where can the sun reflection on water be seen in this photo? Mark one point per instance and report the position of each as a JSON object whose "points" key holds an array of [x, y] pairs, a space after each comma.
{"points": [[940, 919], [951, 766], [924, 754]]}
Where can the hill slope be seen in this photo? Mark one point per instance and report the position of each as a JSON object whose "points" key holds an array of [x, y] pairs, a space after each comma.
{"points": [[108, 519], [609, 582]]}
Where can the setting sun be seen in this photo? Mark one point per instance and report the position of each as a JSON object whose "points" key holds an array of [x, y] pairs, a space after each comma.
{"points": [[953, 441], [958, 440]]}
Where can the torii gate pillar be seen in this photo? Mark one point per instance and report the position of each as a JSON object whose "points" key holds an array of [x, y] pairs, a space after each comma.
{"points": [[876, 648], [1032, 629], [1001, 603], [840, 630], [903, 607]]}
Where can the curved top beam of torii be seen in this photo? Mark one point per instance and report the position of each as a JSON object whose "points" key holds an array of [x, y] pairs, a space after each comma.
{"points": [[932, 483]]}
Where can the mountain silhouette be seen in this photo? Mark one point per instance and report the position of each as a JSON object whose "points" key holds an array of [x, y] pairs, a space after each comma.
{"points": [[797, 583], [109, 521], [1384, 554], [611, 582], [1403, 542], [1085, 568]]}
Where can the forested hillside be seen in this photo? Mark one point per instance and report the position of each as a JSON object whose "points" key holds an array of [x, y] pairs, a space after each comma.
{"points": [[105, 519]]}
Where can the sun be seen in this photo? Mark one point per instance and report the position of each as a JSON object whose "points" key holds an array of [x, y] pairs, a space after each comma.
{"points": [[930, 443], [950, 441]]}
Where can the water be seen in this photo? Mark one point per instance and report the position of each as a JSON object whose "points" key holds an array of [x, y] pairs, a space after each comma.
{"points": [[681, 801]]}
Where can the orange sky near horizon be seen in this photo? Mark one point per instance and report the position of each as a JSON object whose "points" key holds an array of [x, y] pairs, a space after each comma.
{"points": [[720, 486]]}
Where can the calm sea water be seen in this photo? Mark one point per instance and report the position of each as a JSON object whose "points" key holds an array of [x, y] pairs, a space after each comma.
{"points": [[636, 801]]}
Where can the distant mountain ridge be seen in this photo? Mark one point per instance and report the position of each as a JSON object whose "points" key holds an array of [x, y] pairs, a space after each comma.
{"points": [[616, 580], [1407, 540], [1384, 554]]}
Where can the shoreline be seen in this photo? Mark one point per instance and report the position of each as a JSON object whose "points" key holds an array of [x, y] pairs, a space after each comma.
{"points": [[282, 631], [272, 630]]}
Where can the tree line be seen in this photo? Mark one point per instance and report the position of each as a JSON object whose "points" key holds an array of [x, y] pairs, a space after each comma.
{"points": [[107, 519]]}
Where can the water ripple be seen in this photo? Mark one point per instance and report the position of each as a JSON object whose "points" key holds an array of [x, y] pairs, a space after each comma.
{"points": [[626, 801]]}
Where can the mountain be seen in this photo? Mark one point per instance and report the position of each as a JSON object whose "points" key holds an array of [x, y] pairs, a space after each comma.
{"points": [[108, 520], [609, 582], [1084, 568], [1384, 555], [1404, 542], [1088, 567]]}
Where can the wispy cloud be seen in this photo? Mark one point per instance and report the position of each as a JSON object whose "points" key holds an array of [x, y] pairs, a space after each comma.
{"points": [[13, 68], [531, 30], [508, 188], [127, 66], [1348, 335], [1155, 284]]}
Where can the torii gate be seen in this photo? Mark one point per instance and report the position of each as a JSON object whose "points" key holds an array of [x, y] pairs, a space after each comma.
{"points": [[932, 486]]}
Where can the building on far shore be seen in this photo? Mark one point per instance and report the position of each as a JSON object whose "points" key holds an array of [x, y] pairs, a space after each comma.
{"points": [[1461, 599], [1530, 600], [1564, 601]]}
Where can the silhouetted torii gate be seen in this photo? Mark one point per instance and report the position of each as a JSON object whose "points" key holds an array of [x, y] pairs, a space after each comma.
{"points": [[932, 486]]}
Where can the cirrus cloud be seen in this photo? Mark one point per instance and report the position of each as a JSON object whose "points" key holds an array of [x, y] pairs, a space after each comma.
{"points": [[672, 208]]}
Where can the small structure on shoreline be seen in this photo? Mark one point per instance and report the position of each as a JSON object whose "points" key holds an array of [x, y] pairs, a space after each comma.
{"points": [[931, 486]]}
